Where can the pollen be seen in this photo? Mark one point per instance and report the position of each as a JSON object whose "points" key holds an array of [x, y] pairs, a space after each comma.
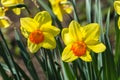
{"points": [[36, 37], [79, 48]]}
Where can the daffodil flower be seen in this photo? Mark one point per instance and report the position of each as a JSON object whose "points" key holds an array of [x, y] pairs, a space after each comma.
{"points": [[39, 31], [117, 9], [60, 7], [11, 3], [4, 22], [80, 41]]}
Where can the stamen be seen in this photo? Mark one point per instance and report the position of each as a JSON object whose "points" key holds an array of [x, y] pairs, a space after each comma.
{"points": [[79, 48], [36, 37]]}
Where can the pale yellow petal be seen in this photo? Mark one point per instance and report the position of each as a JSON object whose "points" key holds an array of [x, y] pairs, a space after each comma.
{"points": [[8, 3], [17, 11], [66, 37], [56, 8], [49, 41], [68, 55], [76, 31], [29, 24], [96, 46], [66, 7], [92, 32], [33, 48], [117, 6], [92, 42], [68, 10], [43, 18], [50, 29], [4, 23], [20, 1], [119, 22], [2, 13], [58, 12], [24, 32], [87, 57]]}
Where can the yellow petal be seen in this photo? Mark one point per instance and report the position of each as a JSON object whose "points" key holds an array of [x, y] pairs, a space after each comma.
{"points": [[117, 6], [50, 29], [76, 31], [66, 7], [58, 12], [17, 11], [24, 32], [92, 42], [54, 1], [8, 3], [28, 24], [4, 23], [66, 37], [2, 13], [97, 47], [87, 57], [49, 41], [68, 55], [43, 18], [68, 10], [56, 8], [20, 1], [92, 32], [33, 48], [119, 23]]}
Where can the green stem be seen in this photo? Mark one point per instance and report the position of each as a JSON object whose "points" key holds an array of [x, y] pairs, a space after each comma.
{"points": [[73, 2], [10, 60]]}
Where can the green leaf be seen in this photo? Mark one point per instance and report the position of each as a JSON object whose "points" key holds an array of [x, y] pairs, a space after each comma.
{"points": [[8, 58], [23, 74], [88, 10], [26, 57], [3, 73], [109, 70], [67, 71], [117, 45], [73, 2]]}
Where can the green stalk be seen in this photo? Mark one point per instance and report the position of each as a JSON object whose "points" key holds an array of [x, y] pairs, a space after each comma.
{"points": [[117, 45], [8, 58], [26, 57], [66, 69], [52, 64], [3, 73], [88, 10], [73, 2]]}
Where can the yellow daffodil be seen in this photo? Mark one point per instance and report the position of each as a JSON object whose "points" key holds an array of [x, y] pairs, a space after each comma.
{"points": [[39, 31], [11, 3], [80, 41], [117, 6], [3, 20], [117, 9], [60, 7]]}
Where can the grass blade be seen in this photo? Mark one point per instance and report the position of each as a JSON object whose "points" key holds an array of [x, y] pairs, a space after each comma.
{"points": [[26, 57]]}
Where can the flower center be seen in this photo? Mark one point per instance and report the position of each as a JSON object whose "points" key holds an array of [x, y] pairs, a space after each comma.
{"points": [[36, 37], [79, 48]]}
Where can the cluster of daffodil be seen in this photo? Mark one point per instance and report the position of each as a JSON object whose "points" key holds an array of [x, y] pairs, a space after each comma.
{"points": [[40, 32], [6, 5]]}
